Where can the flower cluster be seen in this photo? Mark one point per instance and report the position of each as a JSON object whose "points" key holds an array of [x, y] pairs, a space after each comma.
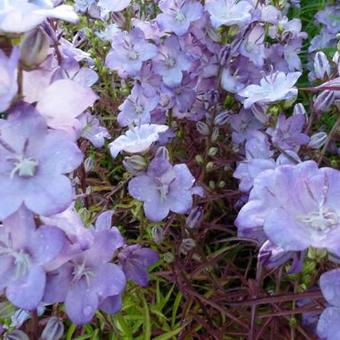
{"points": [[47, 254]]}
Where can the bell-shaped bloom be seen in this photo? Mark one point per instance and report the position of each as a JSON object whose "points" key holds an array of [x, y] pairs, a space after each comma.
{"points": [[297, 206], [135, 261], [137, 139], [276, 87], [329, 321], [164, 188], [229, 12], [19, 16], [88, 278], [8, 76], [33, 164], [177, 15], [129, 51], [24, 250], [170, 62]]}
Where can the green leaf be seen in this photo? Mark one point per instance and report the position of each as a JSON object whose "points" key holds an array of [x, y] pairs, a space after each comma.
{"points": [[168, 335]]}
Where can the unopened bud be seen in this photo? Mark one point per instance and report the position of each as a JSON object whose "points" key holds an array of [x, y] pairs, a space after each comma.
{"points": [[168, 257], [213, 151], [34, 49], [209, 166], [322, 67], [187, 245], [16, 335], [194, 217], [89, 164], [299, 109], [157, 234], [215, 134], [317, 140], [212, 185], [221, 184], [324, 101], [134, 163], [54, 329], [260, 112], [199, 159], [222, 118], [203, 128]]}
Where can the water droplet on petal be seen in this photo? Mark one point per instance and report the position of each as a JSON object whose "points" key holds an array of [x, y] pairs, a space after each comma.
{"points": [[87, 310]]}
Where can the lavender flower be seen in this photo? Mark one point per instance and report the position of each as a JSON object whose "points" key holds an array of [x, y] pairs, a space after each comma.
{"points": [[87, 279], [171, 62], [19, 16], [129, 51], [138, 139], [275, 87], [33, 163], [297, 206], [178, 15], [24, 250], [113, 5], [229, 12], [135, 261], [163, 188], [8, 75]]}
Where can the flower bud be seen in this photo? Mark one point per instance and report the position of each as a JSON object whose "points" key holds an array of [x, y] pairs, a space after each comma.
{"points": [[222, 118], [212, 185], [54, 329], [16, 335], [89, 164], [34, 48], [194, 217], [323, 101], [157, 234], [215, 134], [213, 151], [299, 109], [322, 67], [260, 112], [134, 163], [209, 166], [187, 245], [203, 128], [199, 159], [169, 257], [317, 140], [221, 184]]}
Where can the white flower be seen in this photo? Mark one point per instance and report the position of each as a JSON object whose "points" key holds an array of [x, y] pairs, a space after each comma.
{"points": [[229, 12], [19, 16], [275, 87], [138, 139]]}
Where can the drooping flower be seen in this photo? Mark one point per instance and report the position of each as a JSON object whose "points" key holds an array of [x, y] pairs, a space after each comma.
{"points": [[129, 51], [178, 15], [88, 278], [273, 88], [137, 139], [34, 161], [8, 78], [297, 206], [19, 16], [171, 61], [229, 12], [135, 261], [24, 250], [164, 188]]}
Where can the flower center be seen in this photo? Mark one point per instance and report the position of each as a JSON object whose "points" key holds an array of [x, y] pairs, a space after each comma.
{"points": [[170, 61], [133, 55], [323, 220], [81, 271], [179, 17], [24, 166]]}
